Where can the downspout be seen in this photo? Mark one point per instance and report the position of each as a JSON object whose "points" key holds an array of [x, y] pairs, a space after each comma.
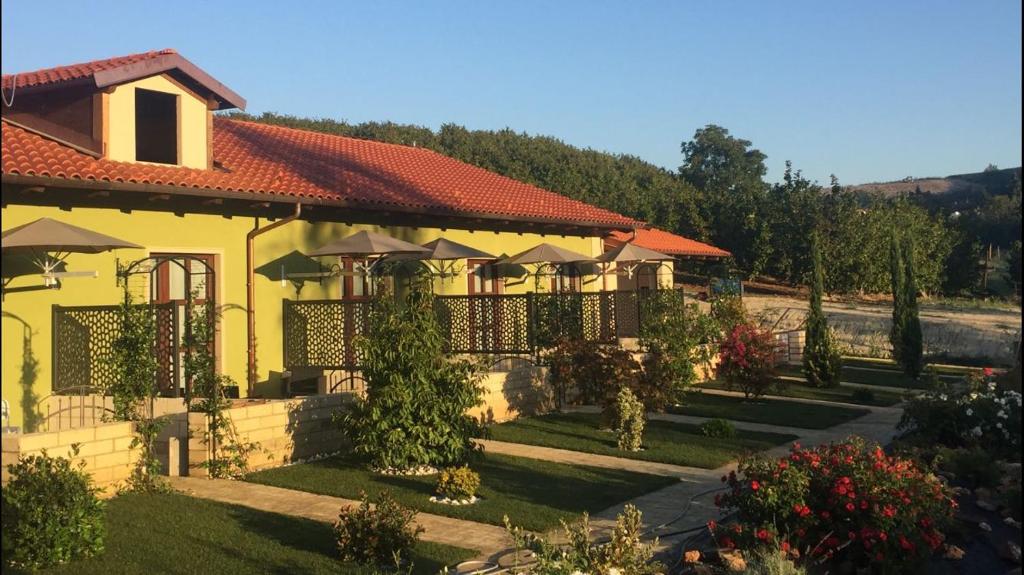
{"points": [[250, 295]]}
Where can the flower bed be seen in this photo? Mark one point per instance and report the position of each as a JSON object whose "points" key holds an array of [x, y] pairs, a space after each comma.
{"points": [[840, 503]]}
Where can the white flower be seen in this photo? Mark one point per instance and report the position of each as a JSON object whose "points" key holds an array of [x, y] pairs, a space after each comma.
{"points": [[976, 432], [969, 411], [999, 425], [943, 397], [1002, 415], [614, 571]]}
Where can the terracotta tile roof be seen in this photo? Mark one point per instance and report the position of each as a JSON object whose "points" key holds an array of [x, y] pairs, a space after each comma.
{"points": [[668, 243], [297, 163], [77, 71]]}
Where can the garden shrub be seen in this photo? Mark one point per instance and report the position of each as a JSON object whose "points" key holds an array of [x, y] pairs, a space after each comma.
{"points": [[415, 409], [383, 535], [772, 562], [718, 428], [458, 483], [728, 312], [863, 395], [623, 554], [592, 374], [971, 465], [982, 416], [50, 514], [747, 360], [677, 338], [837, 503], [631, 420]]}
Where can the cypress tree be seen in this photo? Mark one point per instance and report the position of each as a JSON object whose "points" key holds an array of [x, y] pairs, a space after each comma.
{"points": [[896, 272], [822, 361], [912, 352]]}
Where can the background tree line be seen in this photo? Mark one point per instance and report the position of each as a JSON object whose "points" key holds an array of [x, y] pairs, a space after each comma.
{"points": [[719, 195]]}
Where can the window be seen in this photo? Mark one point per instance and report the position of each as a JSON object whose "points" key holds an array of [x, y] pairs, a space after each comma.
{"points": [[566, 279], [482, 278], [156, 127]]}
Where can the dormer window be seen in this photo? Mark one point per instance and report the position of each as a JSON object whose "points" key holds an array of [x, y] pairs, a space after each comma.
{"points": [[156, 127]]}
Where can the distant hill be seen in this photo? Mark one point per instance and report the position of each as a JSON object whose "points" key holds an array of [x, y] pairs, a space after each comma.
{"points": [[959, 187]]}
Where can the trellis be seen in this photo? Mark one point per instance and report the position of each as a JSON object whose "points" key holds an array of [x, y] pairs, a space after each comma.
{"points": [[83, 337], [321, 334]]}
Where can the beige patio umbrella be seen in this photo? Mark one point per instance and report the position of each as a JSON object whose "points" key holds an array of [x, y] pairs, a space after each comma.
{"points": [[628, 257], [442, 255], [544, 255], [368, 244], [547, 254], [48, 242]]}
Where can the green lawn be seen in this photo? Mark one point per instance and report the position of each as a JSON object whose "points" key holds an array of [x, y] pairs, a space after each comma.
{"points": [[870, 362], [534, 494], [175, 533], [770, 411], [881, 376], [667, 442], [843, 394]]}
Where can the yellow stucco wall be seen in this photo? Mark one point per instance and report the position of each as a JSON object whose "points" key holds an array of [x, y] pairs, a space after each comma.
{"points": [[27, 316], [192, 121]]}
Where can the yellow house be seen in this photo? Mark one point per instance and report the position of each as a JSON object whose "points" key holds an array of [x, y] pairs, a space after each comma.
{"points": [[131, 147]]}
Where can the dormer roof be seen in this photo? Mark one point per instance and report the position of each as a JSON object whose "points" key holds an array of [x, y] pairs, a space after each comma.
{"points": [[122, 69]]}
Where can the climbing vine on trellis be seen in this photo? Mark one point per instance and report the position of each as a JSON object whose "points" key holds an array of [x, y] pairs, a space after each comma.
{"points": [[229, 454], [133, 388]]}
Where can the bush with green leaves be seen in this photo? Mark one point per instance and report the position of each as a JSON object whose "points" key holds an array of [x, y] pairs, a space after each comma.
{"points": [[623, 554], [457, 483], [415, 409], [906, 336], [677, 337], [718, 428], [973, 466], [728, 312], [51, 513], [632, 418], [863, 395], [382, 534]]}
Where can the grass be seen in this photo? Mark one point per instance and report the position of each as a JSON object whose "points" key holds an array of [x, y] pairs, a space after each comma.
{"points": [[534, 494], [664, 441], [874, 363], [175, 533], [879, 374], [843, 394], [770, 411]]}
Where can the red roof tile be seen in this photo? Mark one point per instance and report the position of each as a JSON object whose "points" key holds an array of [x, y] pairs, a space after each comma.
{"points": [[77, 71], [289, 162], [668, 243]]}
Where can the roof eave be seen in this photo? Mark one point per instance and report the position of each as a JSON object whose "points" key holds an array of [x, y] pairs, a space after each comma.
{"points": [[553, 225]]}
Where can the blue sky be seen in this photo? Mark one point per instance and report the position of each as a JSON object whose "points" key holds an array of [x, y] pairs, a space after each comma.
{"points": [[866, 90]]}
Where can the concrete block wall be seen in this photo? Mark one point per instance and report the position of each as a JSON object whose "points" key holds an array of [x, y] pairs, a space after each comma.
{"points": [[105, 449], [285, 429], [519, 390], [790, 346]]}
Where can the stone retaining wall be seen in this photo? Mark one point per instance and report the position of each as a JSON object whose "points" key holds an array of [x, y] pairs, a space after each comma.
{"points": [[286, 430], [105, 449]]}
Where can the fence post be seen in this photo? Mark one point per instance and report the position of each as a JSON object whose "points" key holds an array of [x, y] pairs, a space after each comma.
{"points": [[531, 322]]}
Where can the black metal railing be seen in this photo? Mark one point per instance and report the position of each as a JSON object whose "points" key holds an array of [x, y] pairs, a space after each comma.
{"points": [[83, 338], [320, 334]]}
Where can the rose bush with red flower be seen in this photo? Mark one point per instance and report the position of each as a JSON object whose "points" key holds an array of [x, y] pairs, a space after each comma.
{"points": [[842, 502], [746, 360]]}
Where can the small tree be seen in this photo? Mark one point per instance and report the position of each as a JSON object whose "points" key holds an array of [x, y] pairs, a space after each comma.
{"points": [[747, 360], [822, 361], [896, 272], [415, 410], [912, 352]]}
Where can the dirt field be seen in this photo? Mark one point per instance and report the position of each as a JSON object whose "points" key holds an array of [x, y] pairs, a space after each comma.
{"points": [[863, 327]]}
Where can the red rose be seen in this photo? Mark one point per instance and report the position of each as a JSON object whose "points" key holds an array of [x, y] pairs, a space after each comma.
{"points": [[755, 485], [987, 371], [712, 525], [763, 534], [850, 507]]}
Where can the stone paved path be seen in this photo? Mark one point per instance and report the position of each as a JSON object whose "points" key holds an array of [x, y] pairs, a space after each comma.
{"points": [[487, 539]]}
